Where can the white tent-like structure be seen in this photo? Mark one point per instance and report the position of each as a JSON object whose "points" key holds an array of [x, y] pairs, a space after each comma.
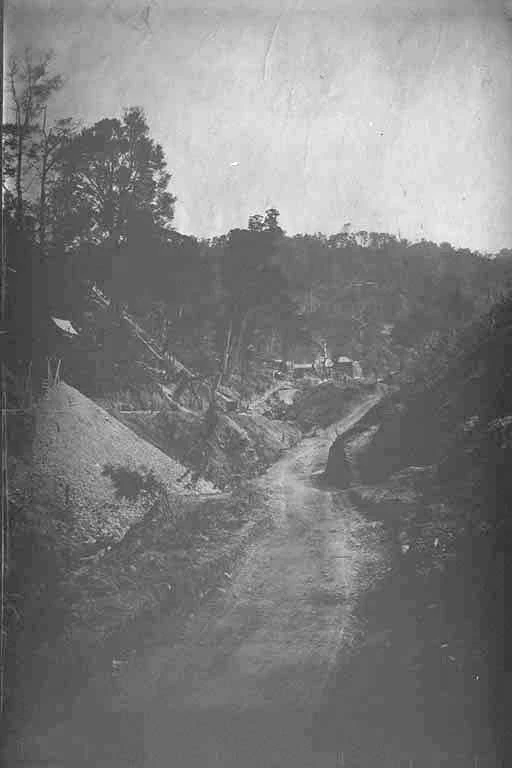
{"points": [[65, 326]]}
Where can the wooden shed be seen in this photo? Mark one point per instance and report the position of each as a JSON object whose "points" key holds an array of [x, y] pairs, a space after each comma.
{"points": [[301, 369], [343, 367]]}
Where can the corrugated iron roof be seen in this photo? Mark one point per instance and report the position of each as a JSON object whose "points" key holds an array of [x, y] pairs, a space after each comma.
{"points": [[65, 326]]}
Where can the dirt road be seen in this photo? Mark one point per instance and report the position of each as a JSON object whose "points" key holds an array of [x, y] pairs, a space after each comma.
{"points": [[241, 686]]}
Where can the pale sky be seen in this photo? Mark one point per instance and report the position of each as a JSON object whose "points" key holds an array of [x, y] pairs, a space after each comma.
{"points": [[394, 115]]}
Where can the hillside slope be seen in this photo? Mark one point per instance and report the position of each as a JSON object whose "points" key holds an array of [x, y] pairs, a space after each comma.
{"points": [[434, 469], [244, 444], [460, 393], [70, 480], [84, 494]]}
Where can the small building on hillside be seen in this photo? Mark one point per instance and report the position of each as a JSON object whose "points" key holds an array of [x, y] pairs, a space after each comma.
{"points": [[286, 366], [65, 327], [56, 340], [343, 368], [301, 369], [323, 366], [61, 336], [281, 367]]}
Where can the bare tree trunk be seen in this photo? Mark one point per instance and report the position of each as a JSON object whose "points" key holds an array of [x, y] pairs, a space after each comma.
{"points": [[179, 314], [200, 453], [19, 170], [115, 275], [42, 194], [42, 210], [239, 346], [226, 356], [22, 125]]}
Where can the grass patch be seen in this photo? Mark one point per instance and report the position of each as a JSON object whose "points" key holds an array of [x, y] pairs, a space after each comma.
{"points": [[129, 483]]}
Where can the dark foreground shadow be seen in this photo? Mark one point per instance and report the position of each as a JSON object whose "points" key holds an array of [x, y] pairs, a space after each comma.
{"points": [[402, 697]]}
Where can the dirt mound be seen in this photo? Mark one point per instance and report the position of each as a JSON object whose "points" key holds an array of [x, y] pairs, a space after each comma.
{"points": [[77, 448], [86, 484]]}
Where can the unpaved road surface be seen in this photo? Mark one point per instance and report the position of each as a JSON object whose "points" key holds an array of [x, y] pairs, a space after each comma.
{"points": [[241, 685]]}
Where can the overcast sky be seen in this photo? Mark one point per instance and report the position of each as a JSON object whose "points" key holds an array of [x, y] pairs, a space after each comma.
{"points": [[393, 115]]}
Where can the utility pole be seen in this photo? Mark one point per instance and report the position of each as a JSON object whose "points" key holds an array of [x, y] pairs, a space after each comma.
{"points": [[324, 359], [3, 286], [4, 499]]}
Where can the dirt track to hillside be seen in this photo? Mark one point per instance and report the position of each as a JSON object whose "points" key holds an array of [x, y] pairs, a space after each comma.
{"points": [[243, 687], [243, 683]]}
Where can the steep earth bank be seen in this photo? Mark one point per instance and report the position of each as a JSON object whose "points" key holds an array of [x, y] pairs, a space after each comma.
{"points": [[433, 466]]}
